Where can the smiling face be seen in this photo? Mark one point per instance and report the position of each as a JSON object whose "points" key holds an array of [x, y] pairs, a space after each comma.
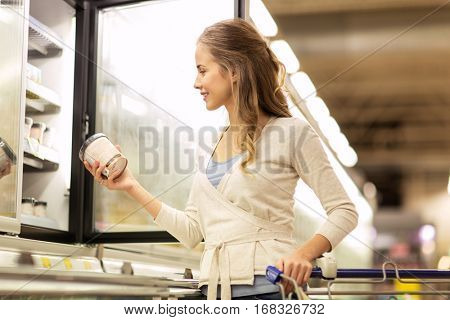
{"points": [[214, 86]]}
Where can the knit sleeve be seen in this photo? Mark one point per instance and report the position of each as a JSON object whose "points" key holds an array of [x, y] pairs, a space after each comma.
{"points": [[312, 165], [183, 225]]}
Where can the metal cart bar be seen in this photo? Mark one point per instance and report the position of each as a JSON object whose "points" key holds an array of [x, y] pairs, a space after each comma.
{"points": [[390, 273], [366, 276]]}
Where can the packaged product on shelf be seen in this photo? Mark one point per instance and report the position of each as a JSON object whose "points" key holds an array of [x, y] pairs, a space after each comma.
{"points": [[98, 147], [28, 206], [37, 131], [49, 137], [28, 125], [40, 209]]}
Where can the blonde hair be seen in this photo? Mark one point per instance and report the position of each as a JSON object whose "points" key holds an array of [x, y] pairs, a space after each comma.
{"points": [[239, 48]]}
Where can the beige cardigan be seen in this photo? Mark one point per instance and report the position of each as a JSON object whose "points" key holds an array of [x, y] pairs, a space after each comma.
{"points": [[247, 222]]}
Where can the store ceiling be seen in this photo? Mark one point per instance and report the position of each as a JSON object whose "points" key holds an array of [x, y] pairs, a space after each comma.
{"points": [[383, 69]]}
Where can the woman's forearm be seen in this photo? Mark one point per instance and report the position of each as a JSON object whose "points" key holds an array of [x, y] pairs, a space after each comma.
{"points": [[314, 247], [147, 200]]}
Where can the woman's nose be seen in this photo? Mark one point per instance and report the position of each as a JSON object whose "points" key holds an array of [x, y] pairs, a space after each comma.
{"points": [[196, 85]]}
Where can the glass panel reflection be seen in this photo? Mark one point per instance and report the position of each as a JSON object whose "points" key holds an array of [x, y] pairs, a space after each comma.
{"points": [[147, 104], [11, 60]]}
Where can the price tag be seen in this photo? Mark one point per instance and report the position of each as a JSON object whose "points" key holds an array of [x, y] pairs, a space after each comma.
{"points": [[68, 263], [87, 265], [46, 263]]}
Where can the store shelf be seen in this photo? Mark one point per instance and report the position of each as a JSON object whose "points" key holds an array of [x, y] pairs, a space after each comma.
{"points": [[38, 157], [44, 222], [40, 99], [42, 42]]}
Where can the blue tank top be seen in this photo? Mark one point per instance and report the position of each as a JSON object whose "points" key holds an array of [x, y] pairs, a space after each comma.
{"points": [[215, 172]]}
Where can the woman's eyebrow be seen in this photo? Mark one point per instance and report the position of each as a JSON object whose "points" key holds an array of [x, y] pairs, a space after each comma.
{"points": [[200, 65]]}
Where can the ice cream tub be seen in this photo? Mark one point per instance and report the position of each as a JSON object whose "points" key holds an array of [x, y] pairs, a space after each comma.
{"points": [[37, 131], [28, 125], [28, 206], [49, 137], [99, 147], [40, 209]]}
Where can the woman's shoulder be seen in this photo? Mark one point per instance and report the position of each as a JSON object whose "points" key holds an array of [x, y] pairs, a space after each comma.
{"points": [[290, 124], [292, 121]]}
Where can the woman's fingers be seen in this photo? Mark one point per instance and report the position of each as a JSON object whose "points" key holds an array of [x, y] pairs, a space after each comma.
{"points": [[307, 274], [295, 270], [87, 166], [119, 148], [98, 171], [301, 275]]}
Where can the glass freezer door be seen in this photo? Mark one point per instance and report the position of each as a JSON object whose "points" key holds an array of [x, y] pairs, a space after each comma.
{"points": [[12, 41], [147, 104]]}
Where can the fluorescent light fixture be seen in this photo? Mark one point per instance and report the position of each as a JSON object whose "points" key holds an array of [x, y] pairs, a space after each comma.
{"points": [[296, 113], [133, 106], [317, 108], [329, 127], [284, 53], [362, 206], [262, 18], [303, 85], [338, 142], [348, 157]]}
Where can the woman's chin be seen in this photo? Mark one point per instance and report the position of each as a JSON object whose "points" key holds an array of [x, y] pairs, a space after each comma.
{"points": [[211, 107]]}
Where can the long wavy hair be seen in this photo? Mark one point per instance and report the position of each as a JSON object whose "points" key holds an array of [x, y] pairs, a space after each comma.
{"points": [[240, 49]]}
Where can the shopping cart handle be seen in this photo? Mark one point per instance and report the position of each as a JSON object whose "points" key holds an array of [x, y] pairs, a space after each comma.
{"points": [[274, 275]]}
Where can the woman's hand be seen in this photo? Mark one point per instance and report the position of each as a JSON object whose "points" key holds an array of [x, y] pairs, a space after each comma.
{"points": [[5, 170], [125, 182], [298, 266]]}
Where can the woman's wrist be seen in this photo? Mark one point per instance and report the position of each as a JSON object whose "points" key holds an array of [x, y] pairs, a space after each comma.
{"points": [[314, 247], [134, 186], [305, 254]]}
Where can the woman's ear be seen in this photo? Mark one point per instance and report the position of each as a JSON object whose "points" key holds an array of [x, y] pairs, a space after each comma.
{"points": [[234, 76]]}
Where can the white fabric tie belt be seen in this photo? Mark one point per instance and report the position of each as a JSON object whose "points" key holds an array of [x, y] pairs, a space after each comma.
{"points": [[220, 264]]}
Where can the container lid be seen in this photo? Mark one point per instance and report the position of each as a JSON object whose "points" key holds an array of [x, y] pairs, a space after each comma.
{"points": [[40, 203], [28, 200], [88, 142], [38, 124], [8, 151]]}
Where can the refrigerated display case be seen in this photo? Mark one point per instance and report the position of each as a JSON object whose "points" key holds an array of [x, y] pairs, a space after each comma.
{"points": [[81, 67], [49, 105]]}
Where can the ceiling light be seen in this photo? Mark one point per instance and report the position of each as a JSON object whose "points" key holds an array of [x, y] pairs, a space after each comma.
{"points": [[317, 108], [262, 18], [348, 157], [303, 85], [285, 54]]}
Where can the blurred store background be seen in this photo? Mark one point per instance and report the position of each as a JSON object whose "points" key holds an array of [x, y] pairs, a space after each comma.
{"points": [[383, 70]]}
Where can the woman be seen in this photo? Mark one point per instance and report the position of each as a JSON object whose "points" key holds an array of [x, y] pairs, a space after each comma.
{"points": [[246, 216]]}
